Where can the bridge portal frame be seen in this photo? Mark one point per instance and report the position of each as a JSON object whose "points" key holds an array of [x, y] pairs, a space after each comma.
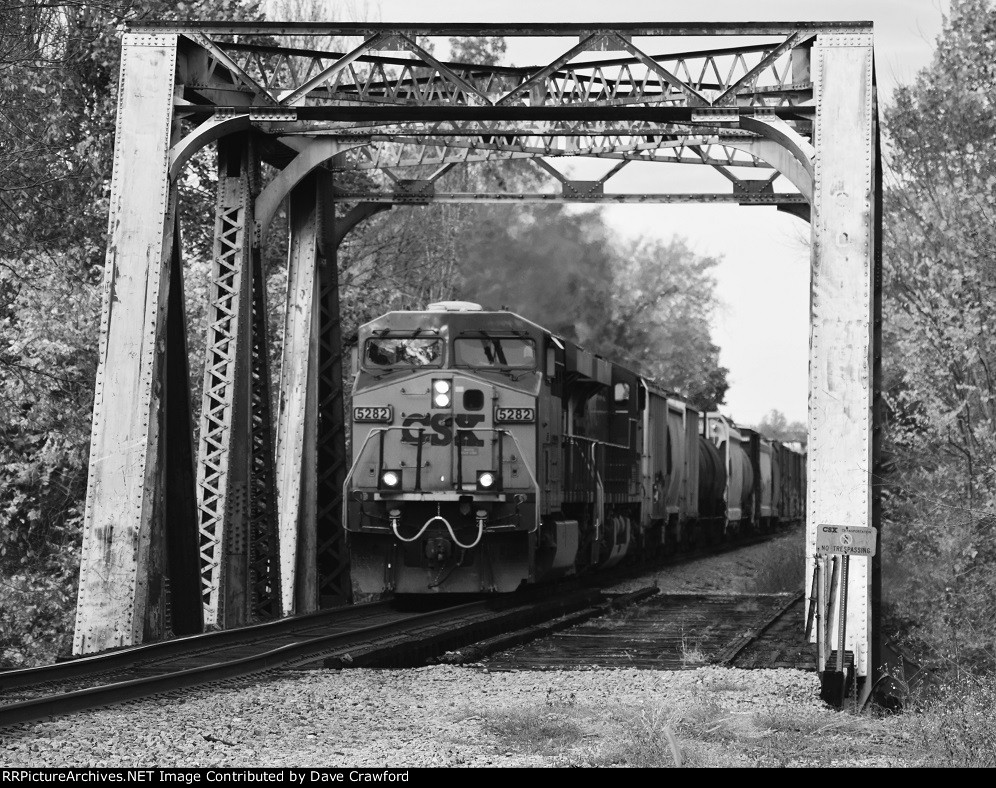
{"points": [[262, 540]]}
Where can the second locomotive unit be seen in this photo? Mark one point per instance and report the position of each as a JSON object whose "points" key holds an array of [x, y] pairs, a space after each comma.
{"points": [[488, 453]]}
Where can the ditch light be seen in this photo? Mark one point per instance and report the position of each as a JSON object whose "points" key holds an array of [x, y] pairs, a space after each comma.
{"points": [[487, 481], [390, 480]]}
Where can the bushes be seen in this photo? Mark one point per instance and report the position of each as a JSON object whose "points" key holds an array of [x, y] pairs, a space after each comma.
{"points": [[957, 723], [939, 543], [36, 612]]}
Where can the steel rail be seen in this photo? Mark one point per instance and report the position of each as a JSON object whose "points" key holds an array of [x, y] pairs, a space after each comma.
{"points": [[127, 657], [519, 637], [307, 650], [736, 648]]}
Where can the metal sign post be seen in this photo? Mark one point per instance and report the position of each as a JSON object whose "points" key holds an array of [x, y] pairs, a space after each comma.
{"points": [[838, 543]]}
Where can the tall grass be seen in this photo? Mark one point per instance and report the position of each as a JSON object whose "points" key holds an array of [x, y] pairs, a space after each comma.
{"points": [[783, 567], [956, 722]]}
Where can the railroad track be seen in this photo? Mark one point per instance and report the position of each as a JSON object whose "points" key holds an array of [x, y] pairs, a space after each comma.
{"points": [[378, 634], [667, 632], [778, 642], [375, 635]]}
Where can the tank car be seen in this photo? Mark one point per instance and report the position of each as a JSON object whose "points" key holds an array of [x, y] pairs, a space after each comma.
{"points": [[489, 453]]}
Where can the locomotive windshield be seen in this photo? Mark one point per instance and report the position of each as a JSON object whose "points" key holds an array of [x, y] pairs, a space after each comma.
{"points": [[505, 352], [404, 352]]}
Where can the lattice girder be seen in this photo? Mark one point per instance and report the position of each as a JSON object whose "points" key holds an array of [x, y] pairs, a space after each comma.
{"points": [[758, 75], [663, 106], [223, 471]]}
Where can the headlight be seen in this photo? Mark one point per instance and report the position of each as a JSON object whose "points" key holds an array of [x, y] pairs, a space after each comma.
{"points": [[486, 480], [390, 480], [441, 393]]}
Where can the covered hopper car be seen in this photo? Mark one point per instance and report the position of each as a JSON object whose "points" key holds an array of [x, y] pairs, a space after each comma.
{"points": [[489, 453]]}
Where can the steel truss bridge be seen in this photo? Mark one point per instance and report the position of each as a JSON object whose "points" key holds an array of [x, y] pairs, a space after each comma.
{"points": [[245, 526]]}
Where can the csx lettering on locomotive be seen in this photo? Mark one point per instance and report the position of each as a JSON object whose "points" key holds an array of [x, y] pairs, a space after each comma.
{"points": [[439, 430]]}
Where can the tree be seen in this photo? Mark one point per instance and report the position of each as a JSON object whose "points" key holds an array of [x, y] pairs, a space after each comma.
{"points": [[544, 263], [660, 298], [940, 350], [644, 303], [776, 427], [478, 49]]}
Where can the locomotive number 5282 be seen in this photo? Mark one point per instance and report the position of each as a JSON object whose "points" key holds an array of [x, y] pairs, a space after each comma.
{"points": [[515, 414]]}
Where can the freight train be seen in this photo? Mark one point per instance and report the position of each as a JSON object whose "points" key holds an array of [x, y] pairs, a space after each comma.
{"points": [[489, 453]]}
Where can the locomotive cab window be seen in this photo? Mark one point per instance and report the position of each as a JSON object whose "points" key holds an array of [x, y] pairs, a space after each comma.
{"points": [[621, 396], [503, 352], [403, 352]]}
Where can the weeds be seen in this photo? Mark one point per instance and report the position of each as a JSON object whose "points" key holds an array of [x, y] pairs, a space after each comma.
{"points": [[783, 570], [548, 730], [692, 653], [708, 734], [803, 725], [956, 722], [650, 741]]}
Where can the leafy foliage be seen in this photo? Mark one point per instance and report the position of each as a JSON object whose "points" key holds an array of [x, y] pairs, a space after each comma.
{"points": [[775, 426], [655, 316], [940, 349], [644, 303]]}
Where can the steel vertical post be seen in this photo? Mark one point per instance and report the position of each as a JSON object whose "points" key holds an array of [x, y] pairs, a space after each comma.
{"points": [[297, 404], [125, 450], [842, 340], [332, 565], [264, 559]]}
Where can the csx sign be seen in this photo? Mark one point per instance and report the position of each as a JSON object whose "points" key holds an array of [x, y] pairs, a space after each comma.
{"points": [[437, 428], [845, 540]]}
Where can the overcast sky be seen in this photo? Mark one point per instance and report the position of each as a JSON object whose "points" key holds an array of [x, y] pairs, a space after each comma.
{"points": [[762, 325]]}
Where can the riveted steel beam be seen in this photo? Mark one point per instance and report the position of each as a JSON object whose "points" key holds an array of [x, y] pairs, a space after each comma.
{"points": [[430, 113], [572, 194], [841, 405], [264, 552], [511, 29], [126, 456], [297, 406], [331, 559]]}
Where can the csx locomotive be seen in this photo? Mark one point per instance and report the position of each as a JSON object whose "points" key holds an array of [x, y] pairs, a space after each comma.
{"points": [[488, 453]]}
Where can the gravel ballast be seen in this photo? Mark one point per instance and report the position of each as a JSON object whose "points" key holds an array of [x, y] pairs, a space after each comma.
{"points": [[433, 716], [443, 715]]}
